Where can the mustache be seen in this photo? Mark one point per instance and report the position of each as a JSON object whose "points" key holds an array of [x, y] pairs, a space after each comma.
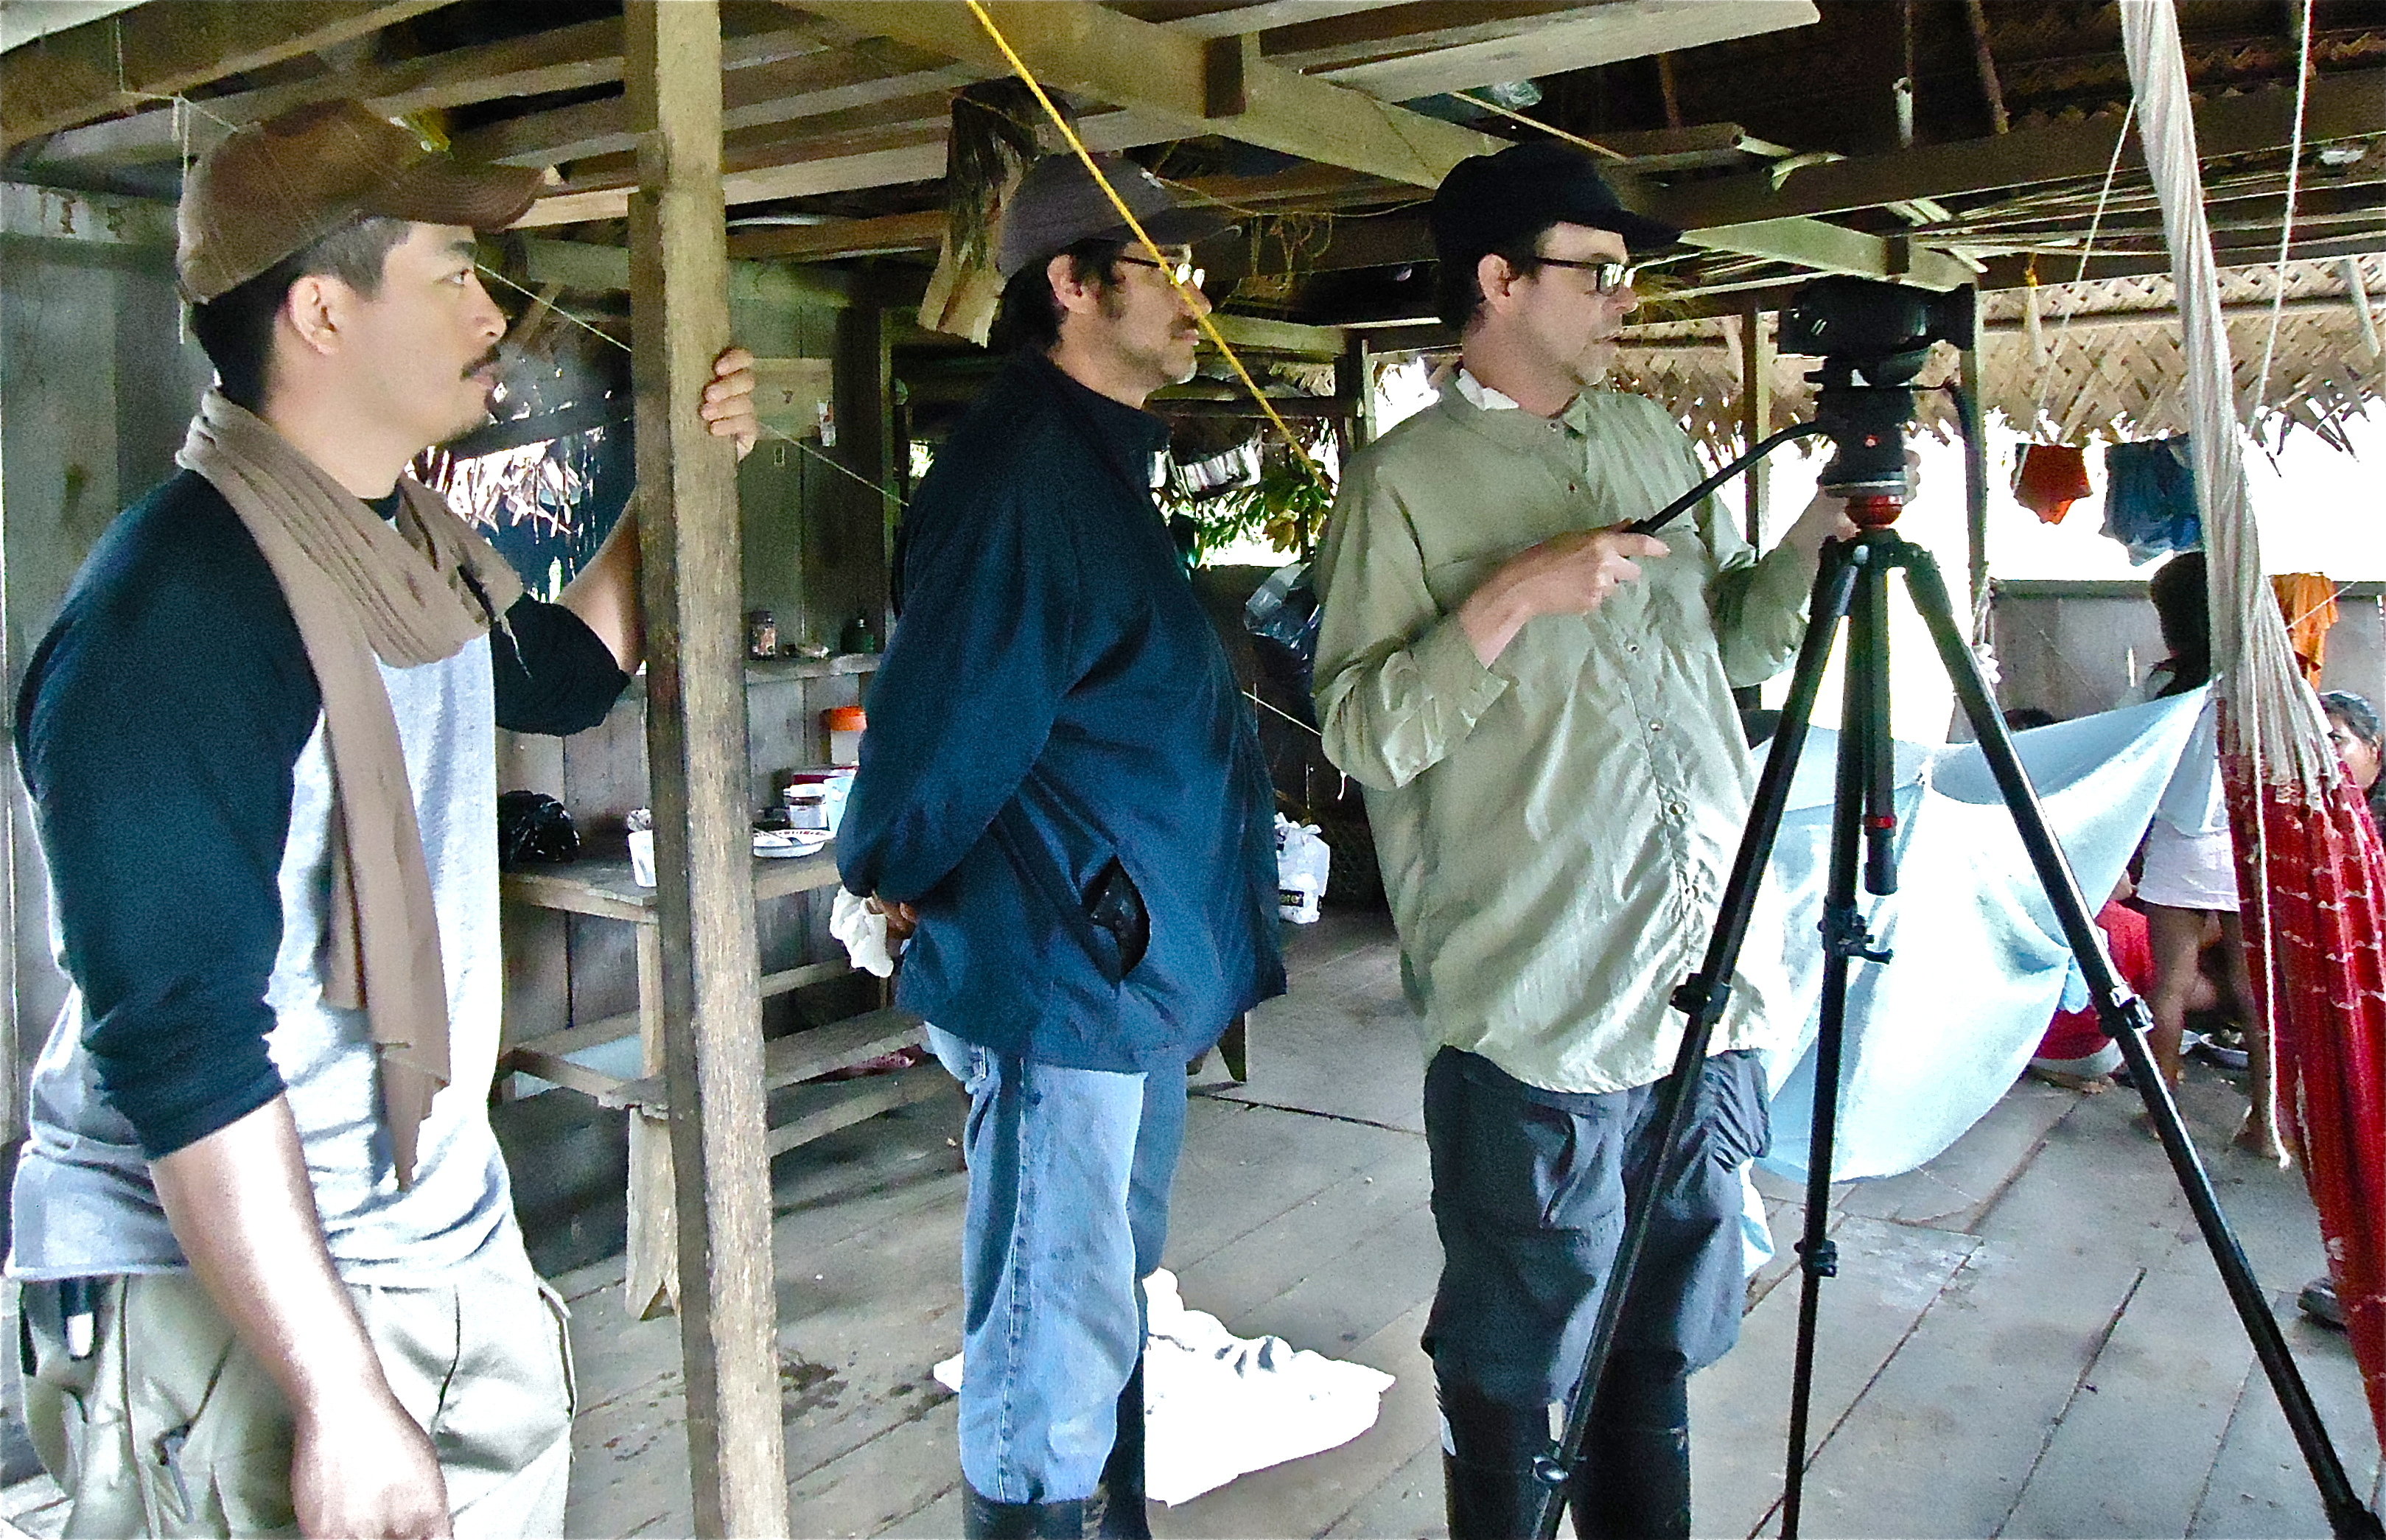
{"points": [[486, 361]]}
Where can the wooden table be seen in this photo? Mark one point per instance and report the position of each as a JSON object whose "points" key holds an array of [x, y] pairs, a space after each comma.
{"points": [[801, 1112]]}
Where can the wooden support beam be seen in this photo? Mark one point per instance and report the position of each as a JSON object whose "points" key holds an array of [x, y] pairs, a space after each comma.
{"points": [[563, 59], [1310, 187], [123, 62], [1831, 249], [1509, 42], [1225, 62], [1262, 334], [1077, 46], [2357, 294], [1976, 460], [2342, 106], [698, 756], [822, 81], [1756, 354], [1220, 17]]}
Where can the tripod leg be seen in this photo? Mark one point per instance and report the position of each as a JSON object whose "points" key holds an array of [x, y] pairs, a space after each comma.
{"points": [[1863, 770], [1701, 999], [1871, 712], [2126, 1020]]}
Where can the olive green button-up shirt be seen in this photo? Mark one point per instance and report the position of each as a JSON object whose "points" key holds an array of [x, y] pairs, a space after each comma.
{"points": [[1555, 830]]}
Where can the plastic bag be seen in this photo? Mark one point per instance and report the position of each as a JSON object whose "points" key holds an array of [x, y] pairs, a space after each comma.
{"points": [[534, 830], [1301, 861]]}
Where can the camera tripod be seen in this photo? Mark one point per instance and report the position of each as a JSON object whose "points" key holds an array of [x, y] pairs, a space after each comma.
{"points": [[1852, 583]]}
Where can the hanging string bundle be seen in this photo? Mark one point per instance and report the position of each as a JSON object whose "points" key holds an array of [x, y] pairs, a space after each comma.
{"points": [[2311, 872]]}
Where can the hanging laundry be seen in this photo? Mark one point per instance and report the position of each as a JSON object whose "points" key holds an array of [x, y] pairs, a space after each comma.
{"points": [[2150, 498], [2308, 600], [2049, 478]]}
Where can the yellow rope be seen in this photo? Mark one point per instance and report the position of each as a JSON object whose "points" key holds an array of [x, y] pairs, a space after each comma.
{"points": [[1551, 130], [1167, 269]]}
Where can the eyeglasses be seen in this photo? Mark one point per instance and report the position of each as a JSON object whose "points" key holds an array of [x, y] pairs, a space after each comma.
{"points": [[1185, 274], [1607, 275]]}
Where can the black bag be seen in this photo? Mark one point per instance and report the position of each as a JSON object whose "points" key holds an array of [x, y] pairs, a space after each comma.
{"points": [[534, 830]]}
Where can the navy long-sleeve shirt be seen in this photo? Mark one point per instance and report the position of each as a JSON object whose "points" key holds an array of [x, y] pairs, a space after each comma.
{"points": [[1054, 712], [157, 726]]}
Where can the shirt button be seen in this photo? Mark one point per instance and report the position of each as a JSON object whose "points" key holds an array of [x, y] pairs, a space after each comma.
{"points": [[1632, 647], [1571, 487], [1656, 727], [1678, 810]]}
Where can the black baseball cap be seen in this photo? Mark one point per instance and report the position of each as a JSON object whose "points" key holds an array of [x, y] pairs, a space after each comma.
{"points": [[1489, 200]]}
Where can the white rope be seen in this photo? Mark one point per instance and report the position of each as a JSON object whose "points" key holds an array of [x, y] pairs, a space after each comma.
{"points": [[2286, 220], [2272, 715], [2249, 653], [2071, 308]]}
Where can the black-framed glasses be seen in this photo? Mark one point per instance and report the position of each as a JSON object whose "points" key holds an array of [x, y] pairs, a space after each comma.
{"points": [[1182, 270], [1607, 275]]}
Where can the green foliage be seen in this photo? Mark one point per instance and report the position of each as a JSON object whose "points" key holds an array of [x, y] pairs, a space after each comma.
{"points": [[1289, 499]]}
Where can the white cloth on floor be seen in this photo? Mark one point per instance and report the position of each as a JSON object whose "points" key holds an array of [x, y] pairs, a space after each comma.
{"points": [[863, 931], [1217, 1406]]}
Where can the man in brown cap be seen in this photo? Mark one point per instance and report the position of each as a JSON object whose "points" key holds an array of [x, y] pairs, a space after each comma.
{"points": [[1062, 787], [269, 1264]]}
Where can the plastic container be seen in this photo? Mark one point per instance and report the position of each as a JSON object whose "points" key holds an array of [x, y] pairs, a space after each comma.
{"points": [[844, 726], [815, 798]]}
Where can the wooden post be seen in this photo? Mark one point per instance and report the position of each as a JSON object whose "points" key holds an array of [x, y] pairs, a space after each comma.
{"points": [[1755, 408], [857, 529], [1976, 460], [1756, 422], [651, 1271], [696, 746]]}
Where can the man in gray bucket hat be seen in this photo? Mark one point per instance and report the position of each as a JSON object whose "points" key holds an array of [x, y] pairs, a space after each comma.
{"points": [[1061, 790]]}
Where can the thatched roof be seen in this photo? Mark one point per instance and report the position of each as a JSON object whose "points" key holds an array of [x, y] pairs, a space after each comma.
{"points": [[2101, 360]]}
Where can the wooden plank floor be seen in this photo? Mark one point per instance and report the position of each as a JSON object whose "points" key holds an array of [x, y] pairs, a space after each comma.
{"points": [[2026, 1338]]}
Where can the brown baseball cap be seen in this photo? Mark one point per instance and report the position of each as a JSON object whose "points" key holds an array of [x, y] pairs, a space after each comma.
{"points": [[274, 188]]}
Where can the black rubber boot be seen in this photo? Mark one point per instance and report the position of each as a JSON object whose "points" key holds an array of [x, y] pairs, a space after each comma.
{"points": [[1123, 1514], [1634, 1480], [1487, 1464], [983, 1518]]}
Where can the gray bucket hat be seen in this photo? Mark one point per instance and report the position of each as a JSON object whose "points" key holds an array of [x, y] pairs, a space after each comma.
{"points": [[1057, 204]]}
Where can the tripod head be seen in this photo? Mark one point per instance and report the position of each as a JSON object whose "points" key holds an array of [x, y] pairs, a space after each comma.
{"points": [[1873, 339]]}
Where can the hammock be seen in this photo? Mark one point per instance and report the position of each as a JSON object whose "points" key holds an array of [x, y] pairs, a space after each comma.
{"points": [[2310, 866]]}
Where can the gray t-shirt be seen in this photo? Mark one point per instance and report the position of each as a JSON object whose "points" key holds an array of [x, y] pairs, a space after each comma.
{"points": [[83, 1204]]}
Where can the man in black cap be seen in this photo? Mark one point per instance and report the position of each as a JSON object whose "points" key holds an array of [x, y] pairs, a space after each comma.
{"points": [[271, 1274], [1061, 790], [1539, 706]]}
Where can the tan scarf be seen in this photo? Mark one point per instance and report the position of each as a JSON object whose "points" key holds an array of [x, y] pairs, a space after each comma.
{"points": [[410, 591]]}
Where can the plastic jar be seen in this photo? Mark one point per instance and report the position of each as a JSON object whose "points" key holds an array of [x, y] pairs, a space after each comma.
{"points": [[844, 725]]}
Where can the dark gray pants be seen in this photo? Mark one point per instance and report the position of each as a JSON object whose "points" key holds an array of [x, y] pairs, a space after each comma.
{"points": [[1528, 1196]]}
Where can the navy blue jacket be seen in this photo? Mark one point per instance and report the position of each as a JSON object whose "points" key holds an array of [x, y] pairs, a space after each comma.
{"points": [[1058, 769]]}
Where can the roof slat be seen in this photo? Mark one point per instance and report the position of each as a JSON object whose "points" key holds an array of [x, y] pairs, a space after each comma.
{"points": [[124, 61]]}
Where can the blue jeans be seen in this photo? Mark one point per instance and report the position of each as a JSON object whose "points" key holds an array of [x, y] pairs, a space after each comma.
{"points": [[1070, 1171]]}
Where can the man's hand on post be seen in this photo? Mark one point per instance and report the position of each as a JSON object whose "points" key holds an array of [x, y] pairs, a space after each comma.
{"points": [[1571, 574], [728, 406]]}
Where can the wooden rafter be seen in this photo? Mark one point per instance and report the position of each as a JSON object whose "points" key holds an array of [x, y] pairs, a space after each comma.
{"points": [[1228, 18], [2342, 106], [829, 77], [567, 59], [123, 62], [1577, 37], [1080, 47]]}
